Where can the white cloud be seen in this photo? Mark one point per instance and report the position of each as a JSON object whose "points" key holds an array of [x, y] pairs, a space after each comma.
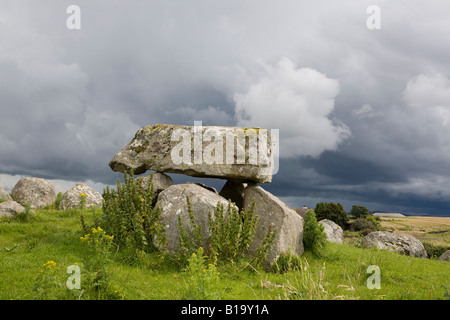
{"points": [[299, 102], [365, 112], [427, 91]]}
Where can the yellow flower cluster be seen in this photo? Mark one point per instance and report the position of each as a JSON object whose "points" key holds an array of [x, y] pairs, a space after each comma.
{"points": [[49, 264], [86, 238], [96, 232], [84, 195]]}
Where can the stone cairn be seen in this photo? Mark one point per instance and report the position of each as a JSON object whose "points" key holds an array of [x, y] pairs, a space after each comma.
{"points": [[242, 156]]}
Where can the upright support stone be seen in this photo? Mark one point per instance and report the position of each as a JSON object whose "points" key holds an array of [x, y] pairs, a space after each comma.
{"points": [[273, 213]]}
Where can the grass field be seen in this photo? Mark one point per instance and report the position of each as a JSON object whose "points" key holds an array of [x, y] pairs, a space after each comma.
{"points": [[435, 230], [27, 246]]}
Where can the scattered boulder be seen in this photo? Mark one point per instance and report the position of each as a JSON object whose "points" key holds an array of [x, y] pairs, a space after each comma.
{"points": [[401, 243], [445, 256], [71, 198], [275, 214], [38, 192], [173, 204], [10, 209], [234, 191], [200, 152], [160, 182], [4, 196], [333, 231]]}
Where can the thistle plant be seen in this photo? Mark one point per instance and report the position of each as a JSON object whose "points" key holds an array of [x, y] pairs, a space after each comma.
{"points": [[231, 232], [129, 215]]}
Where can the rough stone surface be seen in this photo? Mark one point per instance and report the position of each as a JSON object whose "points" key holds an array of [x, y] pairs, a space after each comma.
{"points": [[271, 211], [4, 196], [333, 231], [71, 198], [234, 191], [35, 191], [160, 181], [445, 256], [173, 203], [212, 152], [212, 189], [401, 243], [10, 209]]}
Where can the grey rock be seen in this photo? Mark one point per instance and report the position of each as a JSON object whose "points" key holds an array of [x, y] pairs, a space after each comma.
{"points": [[10, 209], [159, 180], [445, 256], [4, 196], [212, 189], [211, 152], [35, 191], [234, 191], [272, 212], [71, 198], [173, 203], [333, 231], [401, 243]]}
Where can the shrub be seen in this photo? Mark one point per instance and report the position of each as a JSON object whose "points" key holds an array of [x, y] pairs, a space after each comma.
{"points": [[359, 211], [287, 262], [230, 235], [314, 237], [364, 225], [331, 211], [96, 258], [129, 216], [202, 278], [434, 251]]}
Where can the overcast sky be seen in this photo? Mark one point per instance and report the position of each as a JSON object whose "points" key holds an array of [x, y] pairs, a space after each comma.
{"points": [[363, 114]]}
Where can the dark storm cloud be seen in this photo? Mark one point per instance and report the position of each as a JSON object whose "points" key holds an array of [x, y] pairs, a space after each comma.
{"points": [[363, 114]]}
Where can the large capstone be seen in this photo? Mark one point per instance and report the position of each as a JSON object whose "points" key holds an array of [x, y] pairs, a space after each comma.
{"points": [[232, 153]]}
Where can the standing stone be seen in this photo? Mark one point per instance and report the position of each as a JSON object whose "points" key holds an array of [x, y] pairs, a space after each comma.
{"points": [[234, 191], [71, 198], [396, 242], [4, 196], [38, 192], [159, 180], [333, 231], [271, 211], [173, 204], [232, 153], [10, 209]]}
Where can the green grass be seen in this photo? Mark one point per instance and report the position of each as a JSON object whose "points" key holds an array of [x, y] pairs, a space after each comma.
{"points": [[340, 273]]}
